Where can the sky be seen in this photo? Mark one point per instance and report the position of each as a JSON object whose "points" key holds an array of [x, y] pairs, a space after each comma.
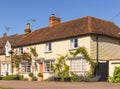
{"points": [[15, 14]]}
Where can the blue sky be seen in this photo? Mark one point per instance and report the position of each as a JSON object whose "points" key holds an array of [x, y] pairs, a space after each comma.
{"points": [[15, 14]]}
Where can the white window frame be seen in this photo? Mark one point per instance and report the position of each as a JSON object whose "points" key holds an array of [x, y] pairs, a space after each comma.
{"points": [[20, 50], [5, 68], [73, 43], [78, 65], [25, 67], [48, 66], [48, 46]]}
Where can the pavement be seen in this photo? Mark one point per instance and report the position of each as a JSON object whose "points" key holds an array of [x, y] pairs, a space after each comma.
{"points": [[58, 85]]}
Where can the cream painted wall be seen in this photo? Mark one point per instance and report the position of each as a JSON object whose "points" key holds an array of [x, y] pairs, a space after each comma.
{"points": [[109, 48], [112, 65], [59, 47]]}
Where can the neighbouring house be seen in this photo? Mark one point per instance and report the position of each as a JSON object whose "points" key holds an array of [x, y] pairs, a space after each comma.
{"points": [[100, 37], [6, 45]]}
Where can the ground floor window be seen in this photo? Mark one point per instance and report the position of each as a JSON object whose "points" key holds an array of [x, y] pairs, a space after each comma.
{"points": [[5, 68], [25, 67], [78, 64], [48, 66]]}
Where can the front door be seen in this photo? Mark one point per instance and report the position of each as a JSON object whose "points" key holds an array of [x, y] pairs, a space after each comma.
{"points": [[41, 67]]}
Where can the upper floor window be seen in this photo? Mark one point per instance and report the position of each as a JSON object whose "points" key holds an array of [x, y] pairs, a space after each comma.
{"points": [[20, 50], [73, 43], [48, 46]]}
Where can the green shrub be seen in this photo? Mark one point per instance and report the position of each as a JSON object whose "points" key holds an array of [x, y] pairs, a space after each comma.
{"points": [[40, 75], [77, 78], [13, 77], [116, 75], [30, 74]]}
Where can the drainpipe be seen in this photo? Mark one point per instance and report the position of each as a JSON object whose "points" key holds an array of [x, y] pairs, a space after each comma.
{"points": [[97, 55]]}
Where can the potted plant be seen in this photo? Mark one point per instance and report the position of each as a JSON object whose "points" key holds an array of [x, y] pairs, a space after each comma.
{"points": [[40, 76], [30, 76]]}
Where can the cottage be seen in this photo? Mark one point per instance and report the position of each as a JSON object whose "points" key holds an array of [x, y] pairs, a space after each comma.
{"points": [[100, 37]]}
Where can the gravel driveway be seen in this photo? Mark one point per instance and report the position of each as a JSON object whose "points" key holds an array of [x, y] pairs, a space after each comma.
{"points": [[58, 85]]}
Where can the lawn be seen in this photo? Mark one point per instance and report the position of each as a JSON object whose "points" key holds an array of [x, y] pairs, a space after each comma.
{"points": [[5, 88]]}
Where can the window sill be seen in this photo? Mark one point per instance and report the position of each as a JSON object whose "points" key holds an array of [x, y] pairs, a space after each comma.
{"points": [[48, 72], [72, 49], [48, 52], [23, 72]]}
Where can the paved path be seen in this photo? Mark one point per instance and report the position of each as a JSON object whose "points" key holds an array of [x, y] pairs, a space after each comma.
{"points": [[58, 85]]}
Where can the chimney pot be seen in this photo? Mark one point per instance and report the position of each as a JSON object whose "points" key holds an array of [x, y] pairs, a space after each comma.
{"points": [[53, 20], [27, 29], [5, 35]]}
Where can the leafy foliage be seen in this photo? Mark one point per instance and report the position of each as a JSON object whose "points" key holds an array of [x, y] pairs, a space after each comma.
{"points": [[17, 59], [20, 58], [116, 75], [40, 75], [76, 78], [30, 74], [84, 53], [13, 77], [33, 51], [60, 68]]}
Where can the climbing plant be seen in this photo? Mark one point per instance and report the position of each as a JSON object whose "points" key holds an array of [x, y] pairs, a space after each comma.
{"points": [[60, 67], [84, 53], [26, 56], [33, 51]]}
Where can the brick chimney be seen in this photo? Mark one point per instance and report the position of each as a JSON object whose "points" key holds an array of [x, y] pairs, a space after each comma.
{"points": [[5, 35], [53, 20], [27, 29]]}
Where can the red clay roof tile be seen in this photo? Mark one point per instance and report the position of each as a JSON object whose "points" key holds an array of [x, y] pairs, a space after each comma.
{"points": [[85, 25]]}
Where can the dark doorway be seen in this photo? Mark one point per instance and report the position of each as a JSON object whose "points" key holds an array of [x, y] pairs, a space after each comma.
{"points": [[103, 68]]}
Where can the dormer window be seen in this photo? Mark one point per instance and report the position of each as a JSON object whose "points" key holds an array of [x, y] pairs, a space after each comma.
{"points": [[73, 43], [7, 48]]}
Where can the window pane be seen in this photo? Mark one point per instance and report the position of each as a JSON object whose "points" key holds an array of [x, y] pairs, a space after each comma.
{"points": [[48, 66], [25, 67], [78, 65], [75, 42], [48, 46]]}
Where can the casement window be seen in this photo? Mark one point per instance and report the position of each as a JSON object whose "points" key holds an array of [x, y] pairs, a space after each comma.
{"points": [[20, 50], [78, 65], [25, 67], [73, 43], [48, 66], [48, 46], [5, 68]]}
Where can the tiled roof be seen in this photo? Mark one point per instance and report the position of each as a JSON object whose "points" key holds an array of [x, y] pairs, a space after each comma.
{"points": [[77, 27], [12, 39]]}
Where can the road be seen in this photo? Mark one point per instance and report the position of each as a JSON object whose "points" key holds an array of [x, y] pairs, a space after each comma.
{"points": [[58, 85]]}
